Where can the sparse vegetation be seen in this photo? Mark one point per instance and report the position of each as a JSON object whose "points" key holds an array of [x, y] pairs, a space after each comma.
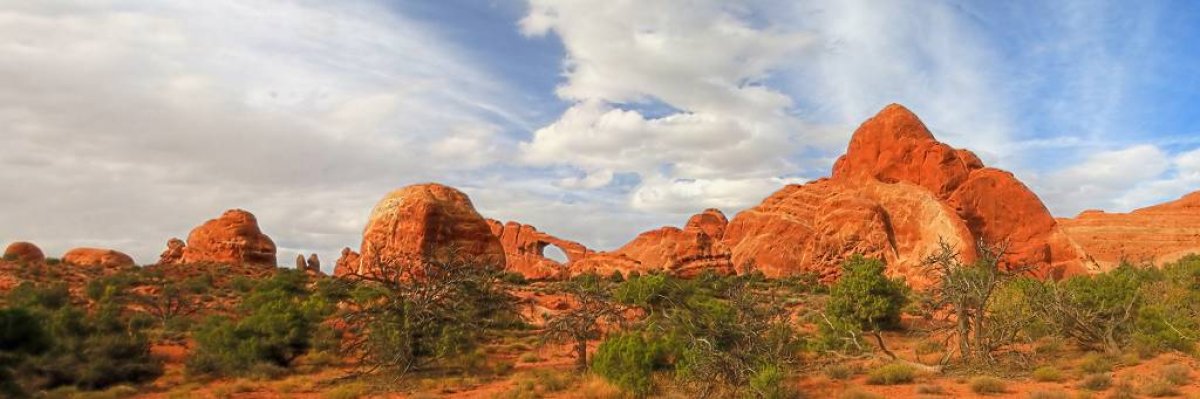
{"points": [[892, 374], [987, 385]]}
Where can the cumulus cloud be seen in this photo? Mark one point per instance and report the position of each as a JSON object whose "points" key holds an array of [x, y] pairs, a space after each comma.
{"points": [[127, 124], [705, 62]]}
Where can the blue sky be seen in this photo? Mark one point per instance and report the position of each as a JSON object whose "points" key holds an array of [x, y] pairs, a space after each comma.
{"points": [[129, 122]]}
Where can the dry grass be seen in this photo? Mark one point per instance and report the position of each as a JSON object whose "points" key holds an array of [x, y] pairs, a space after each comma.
{"points": [[986, 385]]}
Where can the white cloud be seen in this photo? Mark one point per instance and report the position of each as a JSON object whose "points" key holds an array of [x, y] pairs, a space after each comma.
{"points": [[704, 60], [128, 123], [1100, 178]]}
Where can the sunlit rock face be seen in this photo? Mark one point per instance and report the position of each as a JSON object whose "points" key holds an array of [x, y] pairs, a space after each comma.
{"points": [[895, 193], [1157, 234]]}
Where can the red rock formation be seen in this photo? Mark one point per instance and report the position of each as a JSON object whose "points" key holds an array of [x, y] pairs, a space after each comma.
{"points": [[347, 264], [100, 257], [234, 238], [22, 251], [684, 252], [173, 253], [423, 222], [893, 195], [1159, 234], [524, 250]]}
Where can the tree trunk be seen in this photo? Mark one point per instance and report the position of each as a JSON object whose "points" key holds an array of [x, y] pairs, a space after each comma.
{"points": [[581, 362]]}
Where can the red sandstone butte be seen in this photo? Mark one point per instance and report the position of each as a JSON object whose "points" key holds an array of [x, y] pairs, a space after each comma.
{"points": [[1158, 234]]}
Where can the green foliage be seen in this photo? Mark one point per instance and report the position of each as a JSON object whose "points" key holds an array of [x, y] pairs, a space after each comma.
{"points": [[85, 349], [1096, 382], [627, 361], [513, 278], [21, 335], [867, 298], [279, 325], [1047, 374], [892, 374], [768, 383], [714, 333], [986, 385], [405, 316]]}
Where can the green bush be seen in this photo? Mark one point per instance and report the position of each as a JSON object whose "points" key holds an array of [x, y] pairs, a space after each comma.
{"points": [[768, 383], [85, 349], [1096, 382], [1047, 374], [985, 385], [1096, 363], [280, 324], [839, 372], [862, 300], [892, 374], [627, 361]]}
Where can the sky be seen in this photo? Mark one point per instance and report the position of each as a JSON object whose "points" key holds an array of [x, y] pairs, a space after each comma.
{"points": [[126, 123]]}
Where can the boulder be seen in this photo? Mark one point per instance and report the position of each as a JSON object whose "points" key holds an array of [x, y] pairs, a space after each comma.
{"points": [[1157, 234], [98, 257], [22, 251], [233, 238], [426, 222]]}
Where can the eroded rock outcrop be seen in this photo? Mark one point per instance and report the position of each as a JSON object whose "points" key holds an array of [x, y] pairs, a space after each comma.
{"points": [[233, 238], [524, 250], [1159, 234], [895, 193], [347, 264], [425, 222], [686, 252], [22, 251], [98, 257]]}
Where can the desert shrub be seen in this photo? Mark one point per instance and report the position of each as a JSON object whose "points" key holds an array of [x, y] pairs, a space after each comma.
{"points": [[857, 394], [862, 300], [1158, 388], [1048, 395], [1123, 389], [593, 309], [768, 383], [279, 325], [1177, 374], [627, 361], [616, 277], [86, 349], [1047, 374], [892, 374], [986, 385], [1097, 312], [1096, 363], [513, 278], [1096, 382], [21, 335], [714, 333], [839, 371], [930, 389], [404, 316]]}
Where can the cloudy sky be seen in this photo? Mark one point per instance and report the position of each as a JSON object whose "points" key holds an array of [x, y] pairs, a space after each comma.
{"points": [[125, 123]]}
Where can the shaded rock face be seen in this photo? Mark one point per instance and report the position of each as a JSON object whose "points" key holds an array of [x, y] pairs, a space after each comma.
{"points": [[893, 195], [233, 238], [1159, 234], [22, 251], [686, 252], [347, 264], [524, 250], [422, 222], [173, 253], [100, 257]]}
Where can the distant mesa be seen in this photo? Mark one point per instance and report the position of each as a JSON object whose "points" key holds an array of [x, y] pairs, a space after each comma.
{"points": [[98, 257], [26, 252], [1157, 234], [233, 238]]}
